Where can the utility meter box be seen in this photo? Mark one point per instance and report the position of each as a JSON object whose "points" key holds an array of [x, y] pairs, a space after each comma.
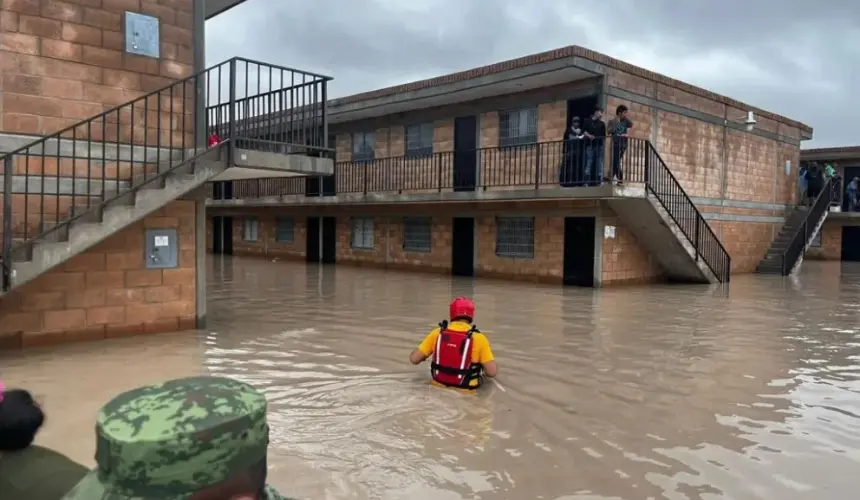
{"points": [[162, 249]]}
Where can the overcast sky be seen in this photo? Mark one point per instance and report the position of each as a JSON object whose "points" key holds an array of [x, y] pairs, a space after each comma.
{"points": [[797, 58]]}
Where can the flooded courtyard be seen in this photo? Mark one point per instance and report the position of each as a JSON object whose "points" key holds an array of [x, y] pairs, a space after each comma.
{"points": [[657, 392]]}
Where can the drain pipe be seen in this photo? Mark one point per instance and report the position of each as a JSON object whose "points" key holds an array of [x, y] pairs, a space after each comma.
{"points": [[724, 182]]}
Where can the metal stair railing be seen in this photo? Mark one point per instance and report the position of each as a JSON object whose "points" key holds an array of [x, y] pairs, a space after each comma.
{"points": [[819, 209], [59, 178], [660, 182]]}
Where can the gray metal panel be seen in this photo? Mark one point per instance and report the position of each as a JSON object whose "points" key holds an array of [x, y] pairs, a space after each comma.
{"points": [[142, 35], [162, 249]]}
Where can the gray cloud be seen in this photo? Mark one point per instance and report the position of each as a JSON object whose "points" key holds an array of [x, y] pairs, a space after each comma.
{"points": [[791, 57]]}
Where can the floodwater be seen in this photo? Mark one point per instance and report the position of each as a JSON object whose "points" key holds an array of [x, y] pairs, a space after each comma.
{"points": [[649, 392]]}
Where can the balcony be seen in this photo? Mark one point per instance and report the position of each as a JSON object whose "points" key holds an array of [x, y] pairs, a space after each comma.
{"points": [[539, 170]]}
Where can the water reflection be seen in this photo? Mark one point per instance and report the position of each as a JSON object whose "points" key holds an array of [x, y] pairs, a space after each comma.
{"points": [[652, 392]]}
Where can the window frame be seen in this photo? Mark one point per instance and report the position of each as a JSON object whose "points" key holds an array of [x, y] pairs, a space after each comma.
{"points": [[358, 238], [278, 230], [423, 223], [506, 226], [363, 146], [247, 224], [527, 121], [423, 130]]}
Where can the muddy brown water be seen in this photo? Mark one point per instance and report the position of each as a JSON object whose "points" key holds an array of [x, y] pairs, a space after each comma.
{"points": [[648, 392]]}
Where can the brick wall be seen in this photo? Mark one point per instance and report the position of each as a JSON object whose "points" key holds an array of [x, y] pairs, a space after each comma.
{"points": [[547, 264], [267, 244], [831, 244], [64, 61], [622, 260], [106, 292]]}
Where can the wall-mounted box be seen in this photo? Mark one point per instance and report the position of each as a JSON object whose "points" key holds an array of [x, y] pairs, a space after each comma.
{"points": [[162, 249], [142, 35]]}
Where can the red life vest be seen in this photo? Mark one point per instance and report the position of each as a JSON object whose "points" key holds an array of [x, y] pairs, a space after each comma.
{"points": [[451, 363]]}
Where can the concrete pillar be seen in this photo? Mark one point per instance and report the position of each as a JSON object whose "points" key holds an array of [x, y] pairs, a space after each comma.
{"points": [[199, 47]]}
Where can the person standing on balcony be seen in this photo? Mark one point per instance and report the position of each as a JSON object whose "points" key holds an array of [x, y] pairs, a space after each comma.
{"points": [[594, 134], [814, 181], [619, 128], [571, 173], [851, 191]]}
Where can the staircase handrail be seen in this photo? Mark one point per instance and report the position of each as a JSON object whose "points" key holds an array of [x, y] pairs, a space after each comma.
{"points": [[662, 183], [819, 208], [81, 134]]}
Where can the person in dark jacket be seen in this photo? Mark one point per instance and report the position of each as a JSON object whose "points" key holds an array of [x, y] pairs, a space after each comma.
{"points": [[27, 471], [594, 137], [814, 181]]}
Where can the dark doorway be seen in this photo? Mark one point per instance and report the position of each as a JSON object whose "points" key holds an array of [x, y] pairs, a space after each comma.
{"points": [[573, 172], [849, 173], [851, 243], [465, 153], [329, 240], [312, 186], [222, 235], [222, 190], [463, 247], [578, 251], [313, 239]]}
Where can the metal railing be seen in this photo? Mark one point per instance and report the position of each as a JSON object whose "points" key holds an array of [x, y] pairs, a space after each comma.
{"points": [[568, 163], [666, 189], [806, 229], [60, 178]]}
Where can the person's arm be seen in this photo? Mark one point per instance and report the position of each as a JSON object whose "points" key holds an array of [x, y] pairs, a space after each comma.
{"points": [[487, 359], [425, 348]]}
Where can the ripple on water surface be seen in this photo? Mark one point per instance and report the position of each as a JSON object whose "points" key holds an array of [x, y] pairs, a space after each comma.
{"points": [[650, 392]]}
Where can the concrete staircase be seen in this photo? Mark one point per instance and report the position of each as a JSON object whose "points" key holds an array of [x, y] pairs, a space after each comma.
{"points": [[129, 203], [772, 263], [662, 237]]}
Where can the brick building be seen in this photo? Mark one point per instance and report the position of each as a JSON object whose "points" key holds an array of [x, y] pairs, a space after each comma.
{"points": [[839, 238], [102, 146], [461, 174]]}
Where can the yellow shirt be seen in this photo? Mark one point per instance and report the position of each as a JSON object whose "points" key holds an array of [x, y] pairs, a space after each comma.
{"points": [[481, 352]]}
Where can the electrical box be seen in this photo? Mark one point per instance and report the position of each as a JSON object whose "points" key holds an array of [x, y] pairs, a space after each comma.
{"points": [[142, 35], [162, 249]]}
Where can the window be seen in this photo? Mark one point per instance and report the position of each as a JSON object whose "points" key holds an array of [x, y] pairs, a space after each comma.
{"points": [[284, 230], [251, 229], [363, 144], [362, 233], [417, 234], [517, 127], [419, 139], [515, 237]]}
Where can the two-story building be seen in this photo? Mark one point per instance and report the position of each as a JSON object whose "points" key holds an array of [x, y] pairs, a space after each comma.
{"points": [[477, 173]]}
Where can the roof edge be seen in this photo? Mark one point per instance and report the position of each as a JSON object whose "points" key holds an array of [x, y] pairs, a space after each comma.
{"points": [[561, 53]]}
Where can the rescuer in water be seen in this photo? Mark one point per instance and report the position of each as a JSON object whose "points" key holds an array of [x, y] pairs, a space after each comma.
{"points": [[460, 354]]}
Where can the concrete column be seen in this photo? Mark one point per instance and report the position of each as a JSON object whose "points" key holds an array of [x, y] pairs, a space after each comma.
{"points": [[199, 48]]}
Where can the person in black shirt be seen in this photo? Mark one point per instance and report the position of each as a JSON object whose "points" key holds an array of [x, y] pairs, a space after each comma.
{"points": [[594, 134], [618, 128]]}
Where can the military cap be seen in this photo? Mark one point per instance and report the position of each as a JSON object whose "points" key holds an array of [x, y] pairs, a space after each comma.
{"points": [[170, 440]]}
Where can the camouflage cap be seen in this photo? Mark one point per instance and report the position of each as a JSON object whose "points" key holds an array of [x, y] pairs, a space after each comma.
{"points": [[170, 440]]}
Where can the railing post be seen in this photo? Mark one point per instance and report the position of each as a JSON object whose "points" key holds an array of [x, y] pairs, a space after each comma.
{"points": [[439, 171], [365, 177], [648, 154], [537, 165], [232, 114], [325, 118], [696, 244], [6, 261]]}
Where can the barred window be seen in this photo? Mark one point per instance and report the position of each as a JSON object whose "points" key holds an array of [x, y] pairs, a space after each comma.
{"points": [[251, 229], [417, 234], [363, 146], [362, 233], [419, 139], [515, 237], [284, 230], [517, 127]]}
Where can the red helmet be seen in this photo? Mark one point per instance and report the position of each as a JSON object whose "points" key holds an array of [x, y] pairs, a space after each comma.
{"points": [[461, 307]]}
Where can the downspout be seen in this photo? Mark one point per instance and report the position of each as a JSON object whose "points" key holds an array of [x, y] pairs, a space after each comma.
{"points": [[724, 182]]}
